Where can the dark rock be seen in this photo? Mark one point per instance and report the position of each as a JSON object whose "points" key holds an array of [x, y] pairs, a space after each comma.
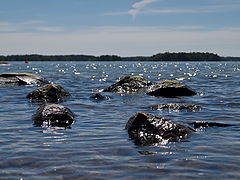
{"points": [[53, 115], [49, 93], [20, 79], [201, 124], [98, 96], [129, 85], [170, 88], [176, 107], [147, 129]]}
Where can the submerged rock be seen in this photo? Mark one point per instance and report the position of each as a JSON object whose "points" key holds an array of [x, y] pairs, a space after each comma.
{"points": [[20, 79], [147, 129], [129, 85], [170, 88], [49, 93], [53, 115], [202, 124], [99, 96], [176, 107]]}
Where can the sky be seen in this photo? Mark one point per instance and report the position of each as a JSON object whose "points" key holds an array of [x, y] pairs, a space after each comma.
{"points": [[119, 27]]}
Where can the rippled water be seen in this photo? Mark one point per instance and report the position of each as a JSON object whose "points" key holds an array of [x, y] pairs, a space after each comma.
{"points": [[97, 146]]}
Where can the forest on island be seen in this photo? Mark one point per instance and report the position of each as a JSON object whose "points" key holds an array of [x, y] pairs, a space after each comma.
{"points": [[167, 56]]}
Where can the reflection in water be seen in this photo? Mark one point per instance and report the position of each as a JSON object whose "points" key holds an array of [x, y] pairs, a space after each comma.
{"points": [[54, 135]]}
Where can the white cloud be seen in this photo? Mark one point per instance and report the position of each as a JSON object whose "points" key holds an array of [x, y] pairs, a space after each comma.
{"points": [[124, 41]]}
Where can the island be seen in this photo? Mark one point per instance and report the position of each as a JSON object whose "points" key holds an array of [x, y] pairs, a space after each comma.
{"points": [[167, 56]]}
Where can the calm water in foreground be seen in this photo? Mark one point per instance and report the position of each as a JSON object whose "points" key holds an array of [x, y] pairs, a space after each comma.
{"points": [[97, 146]]}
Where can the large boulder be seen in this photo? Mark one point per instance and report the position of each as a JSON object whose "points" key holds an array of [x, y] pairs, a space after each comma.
{"points": [[53, 115], [147, 129], [20, 79], [176, 107], [49, 93], [129, 85], [170, 88]]}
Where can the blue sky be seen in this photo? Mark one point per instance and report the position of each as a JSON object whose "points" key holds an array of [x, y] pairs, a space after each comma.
{"points": [[120, 27]]}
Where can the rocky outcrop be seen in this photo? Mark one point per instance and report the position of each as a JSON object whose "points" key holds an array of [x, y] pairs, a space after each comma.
{"points": [[53, 115], [129, 85], [147, 129], [20, 79], [170, 88], [49, 93], [176, 107], [99, 96]]}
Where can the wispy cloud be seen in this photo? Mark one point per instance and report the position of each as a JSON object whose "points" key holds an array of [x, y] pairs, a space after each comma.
{"points": [[143, 3], [28, 26], [138, 6], [50, 29], [6, 27], [206, 7]]}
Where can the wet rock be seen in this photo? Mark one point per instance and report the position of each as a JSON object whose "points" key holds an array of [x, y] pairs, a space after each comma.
{"points": [[2, 63], [147, 129], [49, 93], [170, 88], [129, 85], [176, 107], [202, 124], [99, 96], [20, 79], [53, 115]]}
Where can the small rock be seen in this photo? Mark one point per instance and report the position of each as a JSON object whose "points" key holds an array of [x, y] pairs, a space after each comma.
{"points": [[53, 115], [49, 93], [98, 96], [129, 85], [170, 88], [147, 129]]}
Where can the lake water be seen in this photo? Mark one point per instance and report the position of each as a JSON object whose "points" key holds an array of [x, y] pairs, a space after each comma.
{"points": [[98, 147]]}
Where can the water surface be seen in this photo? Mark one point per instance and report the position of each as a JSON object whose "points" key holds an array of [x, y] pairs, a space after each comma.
{"points": [[97, 146]]}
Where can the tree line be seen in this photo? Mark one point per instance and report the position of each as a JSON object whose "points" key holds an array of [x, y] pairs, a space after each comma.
{"points": [[167, 56]]}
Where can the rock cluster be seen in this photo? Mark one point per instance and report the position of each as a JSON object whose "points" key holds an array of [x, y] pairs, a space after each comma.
{"points": [[143, 128], [165, 88], [146, 129], [48, 115]]}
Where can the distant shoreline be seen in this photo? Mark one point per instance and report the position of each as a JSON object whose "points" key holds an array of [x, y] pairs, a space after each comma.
{"points": [[162, 57]]}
